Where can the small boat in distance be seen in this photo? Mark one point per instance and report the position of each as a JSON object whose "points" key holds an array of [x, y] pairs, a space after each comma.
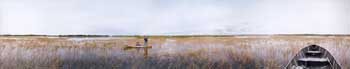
{"points": [[138, 45], [313, 57], [129, 46]]}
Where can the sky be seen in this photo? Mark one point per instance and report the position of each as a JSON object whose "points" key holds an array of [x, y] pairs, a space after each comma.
{"points": [[174, 17]]}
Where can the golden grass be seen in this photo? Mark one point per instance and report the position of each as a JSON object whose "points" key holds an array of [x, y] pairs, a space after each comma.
{"points": [[257, 52]]}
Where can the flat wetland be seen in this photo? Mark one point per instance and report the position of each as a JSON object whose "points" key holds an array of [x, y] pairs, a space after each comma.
{"points": [[168, 52]]}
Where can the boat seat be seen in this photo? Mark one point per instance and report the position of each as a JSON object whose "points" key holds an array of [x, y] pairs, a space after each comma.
{"points": [[313, 62], [313, 54]]}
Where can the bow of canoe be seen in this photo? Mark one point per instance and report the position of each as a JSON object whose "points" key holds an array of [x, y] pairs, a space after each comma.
{"points": [[313, 57]]}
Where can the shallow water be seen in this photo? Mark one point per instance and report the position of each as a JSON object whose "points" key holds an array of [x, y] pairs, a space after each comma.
{"points": [[264, 52]]}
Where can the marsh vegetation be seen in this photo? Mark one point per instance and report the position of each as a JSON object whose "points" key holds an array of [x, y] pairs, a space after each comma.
{"points": [[236, 52]]}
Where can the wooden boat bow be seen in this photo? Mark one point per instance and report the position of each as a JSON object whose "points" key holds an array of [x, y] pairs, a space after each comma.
{"points": [[313, 57]]}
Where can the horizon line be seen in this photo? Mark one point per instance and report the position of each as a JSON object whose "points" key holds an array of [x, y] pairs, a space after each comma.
{"points": [[193, 35]]}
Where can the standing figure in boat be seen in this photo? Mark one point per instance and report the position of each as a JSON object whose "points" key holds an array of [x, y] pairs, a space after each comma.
{"points": [[145, 40]]}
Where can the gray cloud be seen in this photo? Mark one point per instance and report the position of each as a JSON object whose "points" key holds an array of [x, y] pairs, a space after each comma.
{"points": [[174, 16]]}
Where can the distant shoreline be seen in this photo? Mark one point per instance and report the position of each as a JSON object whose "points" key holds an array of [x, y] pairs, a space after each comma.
{"points": [[181, 35]]}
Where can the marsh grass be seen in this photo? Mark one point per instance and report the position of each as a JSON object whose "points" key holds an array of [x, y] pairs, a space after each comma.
{"points": [[252, 52]]}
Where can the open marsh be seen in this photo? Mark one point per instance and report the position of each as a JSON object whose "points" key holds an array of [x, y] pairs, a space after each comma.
{"points": [[235, 52]]}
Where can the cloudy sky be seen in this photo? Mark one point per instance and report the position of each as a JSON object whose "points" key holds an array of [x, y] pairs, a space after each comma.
{"points": [[157, 17]]}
